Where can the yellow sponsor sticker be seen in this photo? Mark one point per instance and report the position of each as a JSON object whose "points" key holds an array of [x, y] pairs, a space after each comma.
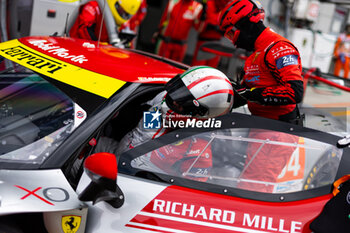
{"points": [[70, 223], [78, 77]]}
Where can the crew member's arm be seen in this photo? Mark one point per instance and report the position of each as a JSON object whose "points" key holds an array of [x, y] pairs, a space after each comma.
{"points": [[85, 23], [136, 19], [164, 21], [199, 21], [283, 62]]}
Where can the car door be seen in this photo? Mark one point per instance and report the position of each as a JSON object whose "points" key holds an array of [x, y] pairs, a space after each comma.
{"points": [[200, 178]]}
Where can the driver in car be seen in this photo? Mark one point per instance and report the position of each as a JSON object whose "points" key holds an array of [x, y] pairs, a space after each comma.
{"points": [[201, 92]]}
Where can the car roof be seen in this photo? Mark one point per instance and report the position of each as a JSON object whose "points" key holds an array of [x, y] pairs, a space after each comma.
{"points": [[100, 69]]}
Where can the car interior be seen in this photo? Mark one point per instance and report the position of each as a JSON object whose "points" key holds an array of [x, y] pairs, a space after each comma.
{"points": [[130, 113]]}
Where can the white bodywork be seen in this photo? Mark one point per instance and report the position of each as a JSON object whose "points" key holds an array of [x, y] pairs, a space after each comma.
{"points": [[104, 218]]}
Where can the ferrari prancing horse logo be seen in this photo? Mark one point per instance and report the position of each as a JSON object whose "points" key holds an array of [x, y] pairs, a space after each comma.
{"points": [[71, 223]]}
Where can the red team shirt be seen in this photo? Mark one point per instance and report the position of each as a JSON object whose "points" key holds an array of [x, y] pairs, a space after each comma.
{"points": [[176, 22], [275, 66]]}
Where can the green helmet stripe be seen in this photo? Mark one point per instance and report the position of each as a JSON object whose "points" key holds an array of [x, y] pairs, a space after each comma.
{"points": [[191, 70]]}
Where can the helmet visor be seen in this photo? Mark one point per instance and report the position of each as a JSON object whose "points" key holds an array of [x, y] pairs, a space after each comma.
{"points": [[125, 15], [180, 99]]}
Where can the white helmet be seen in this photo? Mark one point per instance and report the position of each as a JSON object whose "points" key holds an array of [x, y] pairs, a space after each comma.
{"points": [[201, 91]]}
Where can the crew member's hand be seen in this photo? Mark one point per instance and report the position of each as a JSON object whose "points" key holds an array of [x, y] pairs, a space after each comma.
{"points": [[243, 91]]}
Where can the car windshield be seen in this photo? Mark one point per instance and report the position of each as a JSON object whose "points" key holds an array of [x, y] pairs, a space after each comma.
{"points": [[35, 116], [251, 159]]}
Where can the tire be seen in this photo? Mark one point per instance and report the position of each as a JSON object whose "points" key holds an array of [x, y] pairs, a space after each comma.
{"points": [[323, 172], [9, 228]]}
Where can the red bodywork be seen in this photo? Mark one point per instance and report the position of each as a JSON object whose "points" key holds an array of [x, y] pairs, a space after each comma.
{"points": [[199, 210], [118, 63]]}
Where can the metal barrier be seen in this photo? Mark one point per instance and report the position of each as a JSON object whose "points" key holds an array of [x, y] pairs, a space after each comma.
{"points": [[316, 74]]}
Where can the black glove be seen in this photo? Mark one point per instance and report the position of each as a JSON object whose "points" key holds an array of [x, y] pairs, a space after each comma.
{"points": [[250, 94]]}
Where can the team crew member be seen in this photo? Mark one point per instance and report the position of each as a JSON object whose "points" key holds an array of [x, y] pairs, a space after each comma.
{"points": [[134, 23], [272, 86], [272, 83], [88, 24], [176, 22], [209, 32], [342, 53]]}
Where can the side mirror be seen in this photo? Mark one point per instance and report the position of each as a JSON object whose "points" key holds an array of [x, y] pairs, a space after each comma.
{"points": [[102, 169]]}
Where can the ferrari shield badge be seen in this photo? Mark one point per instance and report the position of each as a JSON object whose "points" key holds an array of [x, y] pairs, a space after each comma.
{"points": [[70, 223]]}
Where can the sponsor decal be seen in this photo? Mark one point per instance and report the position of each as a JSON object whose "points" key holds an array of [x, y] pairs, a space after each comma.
{"points": [[58, 51], [70, 223], [224, 216], [154, 120], [47, 193], [252, 70], [80, 115], [86, 80], [34, 60], [253, 79], [286, 61], [178, 210], [88, 45], [154, 79]]}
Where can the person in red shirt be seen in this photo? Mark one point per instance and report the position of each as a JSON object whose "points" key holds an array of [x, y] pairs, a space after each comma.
{"points": [[88, 24], [271, 85], [210, 31], [177, 20]]}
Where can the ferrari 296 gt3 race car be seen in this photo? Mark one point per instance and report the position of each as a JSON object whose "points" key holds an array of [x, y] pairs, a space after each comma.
{"points": [[60, 96]]}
